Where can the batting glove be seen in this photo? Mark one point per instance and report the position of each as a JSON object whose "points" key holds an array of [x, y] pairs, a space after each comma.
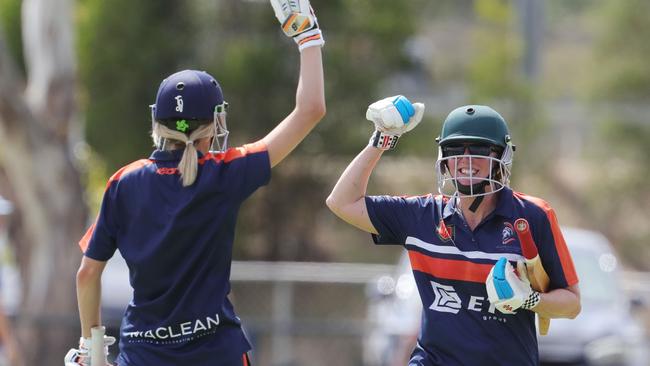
{"points": [[509, 292], [81, 356], [392, 117], [299, 22]]}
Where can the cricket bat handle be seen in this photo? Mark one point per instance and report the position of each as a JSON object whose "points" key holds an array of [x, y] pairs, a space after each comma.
{"points": [[537, 276], [97, 357], [539, 281]]}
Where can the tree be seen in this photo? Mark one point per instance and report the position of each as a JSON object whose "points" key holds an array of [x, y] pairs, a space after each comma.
{"points": [[123, 57], [36, 126], [621, 150]]}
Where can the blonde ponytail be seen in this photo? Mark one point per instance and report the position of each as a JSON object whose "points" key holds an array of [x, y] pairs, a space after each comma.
{"points": [[188, 166]]}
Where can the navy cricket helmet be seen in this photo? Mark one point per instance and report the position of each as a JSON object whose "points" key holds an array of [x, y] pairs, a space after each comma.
{"points": [[190, 95]]}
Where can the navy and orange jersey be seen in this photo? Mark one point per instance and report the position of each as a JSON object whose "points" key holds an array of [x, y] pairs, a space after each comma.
{"points": [[177, 242], [451, 263]]}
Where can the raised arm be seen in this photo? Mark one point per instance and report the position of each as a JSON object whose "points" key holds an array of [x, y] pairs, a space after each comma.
{"points": [[392, 116], [347, 199], [309, 110], [310, 96]]}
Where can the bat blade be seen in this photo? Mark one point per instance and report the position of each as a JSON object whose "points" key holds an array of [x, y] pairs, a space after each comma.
{"points": [[97, 357], [537, 275]]}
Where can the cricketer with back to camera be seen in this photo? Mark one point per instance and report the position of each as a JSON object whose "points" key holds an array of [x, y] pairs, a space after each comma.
{"points": [[172, 217], [461, 242]]}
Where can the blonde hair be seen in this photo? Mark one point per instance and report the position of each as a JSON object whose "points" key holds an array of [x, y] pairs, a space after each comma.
{"points": [[188, 166]]}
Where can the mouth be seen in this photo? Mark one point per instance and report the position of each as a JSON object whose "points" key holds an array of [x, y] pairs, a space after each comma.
{"points": [[466, 172]]}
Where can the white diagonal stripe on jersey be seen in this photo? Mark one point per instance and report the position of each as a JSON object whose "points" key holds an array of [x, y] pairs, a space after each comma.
{"points": [[444, 249]]}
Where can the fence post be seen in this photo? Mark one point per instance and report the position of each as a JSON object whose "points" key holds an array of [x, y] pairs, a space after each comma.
{"points": [[282, 315]]}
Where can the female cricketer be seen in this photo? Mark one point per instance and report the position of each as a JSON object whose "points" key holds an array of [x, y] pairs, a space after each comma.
{"points": [[476, 309], [172, 216]]}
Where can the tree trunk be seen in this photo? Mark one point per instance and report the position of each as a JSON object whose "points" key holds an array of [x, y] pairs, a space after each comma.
{"points": [[35, 128]]}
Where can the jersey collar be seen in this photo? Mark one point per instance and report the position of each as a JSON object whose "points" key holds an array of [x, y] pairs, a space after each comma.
{"points": [[169, 155], [505, 205]]}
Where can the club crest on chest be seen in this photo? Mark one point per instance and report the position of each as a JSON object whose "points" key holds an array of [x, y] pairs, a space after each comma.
{"points": [[445, 232], [508, 234]]}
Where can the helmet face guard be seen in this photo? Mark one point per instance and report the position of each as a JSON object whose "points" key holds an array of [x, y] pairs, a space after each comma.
{"points": [[449, 181], [220, 140], [477, 130]]}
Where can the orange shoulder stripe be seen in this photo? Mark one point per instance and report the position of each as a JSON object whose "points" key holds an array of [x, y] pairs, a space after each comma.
{"points": [[235, 153], [85, 240], [560, 245], [127, 169]]}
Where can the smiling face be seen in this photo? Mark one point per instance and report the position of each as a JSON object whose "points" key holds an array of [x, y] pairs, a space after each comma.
{"points": [[469, 164], [469, 171]]}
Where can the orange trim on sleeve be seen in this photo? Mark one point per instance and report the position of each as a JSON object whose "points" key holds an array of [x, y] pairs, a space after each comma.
{"points": [[85, 240], [560, 245], [83, 243]]}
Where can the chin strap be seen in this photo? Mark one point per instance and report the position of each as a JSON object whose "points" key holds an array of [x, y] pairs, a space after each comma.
{"points": [[474, 189], [477, 201]]}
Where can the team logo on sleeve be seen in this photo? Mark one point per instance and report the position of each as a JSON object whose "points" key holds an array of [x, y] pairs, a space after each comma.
{"points": [[445, 299], [508, 233]]}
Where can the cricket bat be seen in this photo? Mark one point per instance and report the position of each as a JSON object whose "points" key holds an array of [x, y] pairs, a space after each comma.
{"points": [[537, 276], [97, 357]]}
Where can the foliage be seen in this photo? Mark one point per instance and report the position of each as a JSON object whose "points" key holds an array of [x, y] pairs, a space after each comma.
{"points": [[623, 86], [624, 74], [495, 76], [10, 24], [124, 55], [257, 66]]}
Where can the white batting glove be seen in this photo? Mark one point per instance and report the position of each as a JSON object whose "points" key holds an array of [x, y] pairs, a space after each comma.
{"points": [[392, 117], [81, 356], [299, 22], [507, 291]]}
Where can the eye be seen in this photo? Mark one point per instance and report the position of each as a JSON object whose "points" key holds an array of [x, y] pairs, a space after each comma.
{"points": [[214, 82], [180, 85]]}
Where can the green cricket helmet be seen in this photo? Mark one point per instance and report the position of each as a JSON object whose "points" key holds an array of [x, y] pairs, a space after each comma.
{"points": [[467, 126], [474, 124]]}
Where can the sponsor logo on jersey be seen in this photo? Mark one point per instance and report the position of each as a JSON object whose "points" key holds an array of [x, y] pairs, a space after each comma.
{"points": [[445, 299], [176, 332], [167, 171], [508, 233]]}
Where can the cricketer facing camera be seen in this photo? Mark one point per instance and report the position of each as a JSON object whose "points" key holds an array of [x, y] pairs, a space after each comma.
{"points": [[476, 309], [172, 217]]}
